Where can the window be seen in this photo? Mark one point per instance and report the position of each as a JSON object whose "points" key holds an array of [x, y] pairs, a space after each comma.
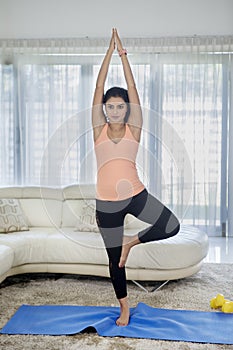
{"points": [[8, 140], [46, 135], [193, 104]]}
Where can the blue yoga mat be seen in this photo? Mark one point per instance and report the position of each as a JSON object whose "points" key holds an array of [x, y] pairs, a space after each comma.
{"points": [[145, 322]]}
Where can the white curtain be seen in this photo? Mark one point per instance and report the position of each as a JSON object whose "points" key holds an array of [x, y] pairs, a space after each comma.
{"points": [[46, 88]]}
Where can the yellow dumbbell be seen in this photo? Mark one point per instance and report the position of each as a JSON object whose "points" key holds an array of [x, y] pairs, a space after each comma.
{"points": [[220, 300], [213, 303], [217, 302], [228, 307]]}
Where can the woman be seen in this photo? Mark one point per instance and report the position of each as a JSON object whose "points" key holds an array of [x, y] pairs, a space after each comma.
{"points": [[119, 190]]}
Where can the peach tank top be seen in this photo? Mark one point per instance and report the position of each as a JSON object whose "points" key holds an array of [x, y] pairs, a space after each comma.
{"points": [[117, 177]]}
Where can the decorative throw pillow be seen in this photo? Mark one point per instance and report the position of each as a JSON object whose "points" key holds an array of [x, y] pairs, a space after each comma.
{"points": [[12, 217], [87, 221]]}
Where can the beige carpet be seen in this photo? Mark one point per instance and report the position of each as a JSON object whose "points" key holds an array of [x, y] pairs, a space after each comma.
{"points": [[193, 293]]}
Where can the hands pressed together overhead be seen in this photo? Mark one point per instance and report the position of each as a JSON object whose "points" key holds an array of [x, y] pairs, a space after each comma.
{"points": [[115, 42]]}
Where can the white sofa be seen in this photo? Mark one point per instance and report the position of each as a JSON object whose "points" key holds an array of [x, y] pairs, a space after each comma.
{"points": [[53, 245]]}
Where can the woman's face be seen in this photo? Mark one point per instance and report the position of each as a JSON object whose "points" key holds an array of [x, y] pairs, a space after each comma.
{"points": [[116, 109]]}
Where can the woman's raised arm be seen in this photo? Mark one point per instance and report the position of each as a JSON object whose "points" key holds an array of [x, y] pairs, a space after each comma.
{"points": [[135, 117], [98, 118]]}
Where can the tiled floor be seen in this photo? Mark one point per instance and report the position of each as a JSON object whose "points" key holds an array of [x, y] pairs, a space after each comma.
{"points": [[220, 250]]}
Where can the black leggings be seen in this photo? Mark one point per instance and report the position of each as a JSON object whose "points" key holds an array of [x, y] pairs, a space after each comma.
{"points": [[110, 217]]}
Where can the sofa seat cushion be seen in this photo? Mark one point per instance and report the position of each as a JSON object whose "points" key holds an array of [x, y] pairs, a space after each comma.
{"points": [[51, 245], [187, 248], [71, 247], [28, 246], [6, 259]]}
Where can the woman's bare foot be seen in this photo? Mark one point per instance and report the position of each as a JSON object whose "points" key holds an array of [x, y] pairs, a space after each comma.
{"points": [[123, 320], [128, 243]]}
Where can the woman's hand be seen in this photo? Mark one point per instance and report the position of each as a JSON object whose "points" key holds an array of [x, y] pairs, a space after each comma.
{"points": [[112, 43], [118, 41]]}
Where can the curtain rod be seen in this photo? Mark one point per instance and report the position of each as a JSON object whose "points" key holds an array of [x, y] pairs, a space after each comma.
{"points": [[155, 44]]}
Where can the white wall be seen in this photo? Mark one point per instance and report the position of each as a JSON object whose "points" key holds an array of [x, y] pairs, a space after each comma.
{"points": [[95, 18]]}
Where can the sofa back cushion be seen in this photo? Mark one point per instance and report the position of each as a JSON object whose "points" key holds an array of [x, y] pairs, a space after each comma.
{"points": [[75, 215], [42, 206], [47, 206], [80, 215], [42, 212], [71, 211], [76, 199]]}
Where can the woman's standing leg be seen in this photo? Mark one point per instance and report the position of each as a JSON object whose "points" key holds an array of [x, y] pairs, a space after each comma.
{"points": [[111, 228]]}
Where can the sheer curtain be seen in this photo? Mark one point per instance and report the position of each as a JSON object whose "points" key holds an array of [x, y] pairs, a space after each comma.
{"points": [[46, 88]]}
